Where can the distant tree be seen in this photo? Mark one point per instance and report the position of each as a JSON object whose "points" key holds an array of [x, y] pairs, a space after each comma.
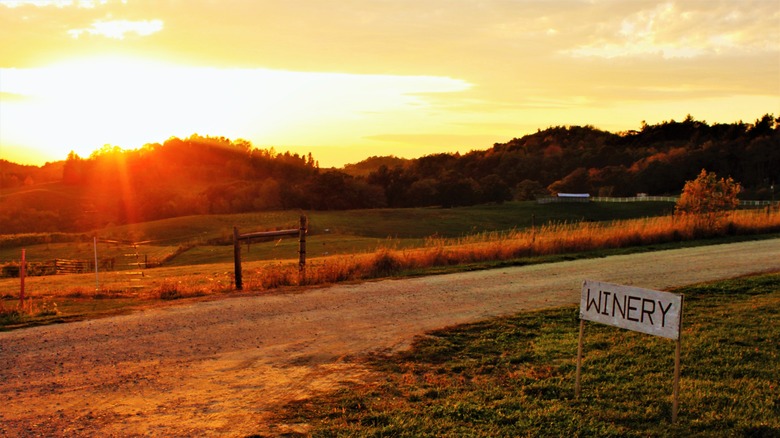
{"points": [[494, 189], [529, 190], [708, 198], [575, 182], [457, 191], [73, 171], [422, 192]]}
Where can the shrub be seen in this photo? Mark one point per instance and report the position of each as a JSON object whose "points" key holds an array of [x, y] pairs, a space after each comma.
{"points": [[708, 198], [169, 291]]}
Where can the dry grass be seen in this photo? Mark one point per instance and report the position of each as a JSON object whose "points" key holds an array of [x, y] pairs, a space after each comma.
{"points": [[498, 246]]}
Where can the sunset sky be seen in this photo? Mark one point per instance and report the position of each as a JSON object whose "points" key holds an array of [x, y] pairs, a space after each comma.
{"points": [[348, 79]]}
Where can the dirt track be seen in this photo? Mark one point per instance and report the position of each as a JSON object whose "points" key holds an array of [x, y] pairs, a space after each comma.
{"points": [[221, 367]]}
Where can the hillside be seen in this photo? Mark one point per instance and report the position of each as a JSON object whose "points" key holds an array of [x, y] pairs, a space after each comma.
{"points": [[216, 175]]}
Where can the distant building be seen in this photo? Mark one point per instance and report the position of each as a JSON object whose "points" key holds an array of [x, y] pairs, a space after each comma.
{"points": [[575, 197]]}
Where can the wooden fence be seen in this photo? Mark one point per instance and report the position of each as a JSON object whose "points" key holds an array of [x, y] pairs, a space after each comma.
{"points": [[65, 266], [552, 199], [248, 237]]}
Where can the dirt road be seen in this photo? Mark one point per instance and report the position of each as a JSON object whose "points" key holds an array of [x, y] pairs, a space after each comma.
{"points": [[219, 368]]}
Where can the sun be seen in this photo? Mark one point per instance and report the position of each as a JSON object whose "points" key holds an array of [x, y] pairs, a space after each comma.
{"points": [[83, 104], [86, 103]]}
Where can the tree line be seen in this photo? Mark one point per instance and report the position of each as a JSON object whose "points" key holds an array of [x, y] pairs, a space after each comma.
{"points": [[216, 175], [657, 160]]}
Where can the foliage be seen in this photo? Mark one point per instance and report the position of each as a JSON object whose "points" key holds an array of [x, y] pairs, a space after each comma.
{"points": [[216, 175], [708, 194], [515, 376], [708, 198]]}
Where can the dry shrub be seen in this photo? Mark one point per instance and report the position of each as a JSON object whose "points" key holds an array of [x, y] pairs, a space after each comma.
{"points": [[385, 262], [273, 276], [336, 269], [170, 290], [10, 315]]}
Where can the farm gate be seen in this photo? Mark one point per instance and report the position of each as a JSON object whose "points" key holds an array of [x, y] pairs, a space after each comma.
{"points": [[248, 237]]}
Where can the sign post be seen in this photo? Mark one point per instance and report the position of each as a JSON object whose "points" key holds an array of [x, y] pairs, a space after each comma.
{"points": [[632, 308]]}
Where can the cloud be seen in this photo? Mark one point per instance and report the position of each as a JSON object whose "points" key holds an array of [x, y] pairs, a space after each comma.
{"points": [[674, 30], [58, 3], [117, 29]]}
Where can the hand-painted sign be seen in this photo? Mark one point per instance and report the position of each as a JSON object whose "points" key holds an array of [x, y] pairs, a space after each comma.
{"points": [[633, 308]]}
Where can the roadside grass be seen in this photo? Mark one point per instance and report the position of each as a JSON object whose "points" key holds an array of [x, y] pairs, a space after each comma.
{"points": [[515, 376]]}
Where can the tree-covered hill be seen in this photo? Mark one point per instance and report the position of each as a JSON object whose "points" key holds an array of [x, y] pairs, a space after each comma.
{"points": [[208, 175]]}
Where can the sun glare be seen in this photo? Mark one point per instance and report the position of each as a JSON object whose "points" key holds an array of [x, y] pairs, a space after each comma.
{"points": [[84, 104], [118, 28]]}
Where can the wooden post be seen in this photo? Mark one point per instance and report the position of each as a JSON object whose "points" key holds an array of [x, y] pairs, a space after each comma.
{"points": [[533, 228], [677, 348], [237, 259], [97, 276], [22, 273], [577, 383], [302, 250]]}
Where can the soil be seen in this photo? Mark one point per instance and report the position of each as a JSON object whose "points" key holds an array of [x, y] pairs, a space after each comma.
{"points": [[224, 367]]}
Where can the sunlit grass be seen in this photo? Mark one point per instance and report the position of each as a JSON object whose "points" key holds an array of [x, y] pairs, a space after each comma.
{"points": [[515, 376], [547, 240]]}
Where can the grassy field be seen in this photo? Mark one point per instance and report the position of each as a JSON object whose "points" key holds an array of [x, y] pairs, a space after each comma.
{"points": [[204, 239], [515, 377]]}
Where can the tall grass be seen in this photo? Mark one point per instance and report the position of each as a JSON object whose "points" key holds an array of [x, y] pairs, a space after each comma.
{"points": [[550, 239]]}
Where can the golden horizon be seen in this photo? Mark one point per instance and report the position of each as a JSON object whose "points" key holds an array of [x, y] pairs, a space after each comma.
{"points": [[346, 80]]}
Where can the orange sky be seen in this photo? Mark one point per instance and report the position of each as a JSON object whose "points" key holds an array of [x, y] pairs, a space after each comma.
{"points": [[348, 79]]}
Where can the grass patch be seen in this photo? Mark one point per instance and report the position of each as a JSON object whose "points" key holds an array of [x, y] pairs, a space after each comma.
{"points": [[515, 376]]}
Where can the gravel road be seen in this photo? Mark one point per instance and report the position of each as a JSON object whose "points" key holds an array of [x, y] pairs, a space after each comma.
{"points": [[220, 368]]}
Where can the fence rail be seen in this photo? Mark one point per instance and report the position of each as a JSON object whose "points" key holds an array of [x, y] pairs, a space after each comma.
{"points": [[635, 199], [64, 266], [553, 199]]}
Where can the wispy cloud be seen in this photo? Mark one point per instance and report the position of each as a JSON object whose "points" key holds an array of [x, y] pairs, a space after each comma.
{"points": [[117, 29], [683, 30], [58, 3]]}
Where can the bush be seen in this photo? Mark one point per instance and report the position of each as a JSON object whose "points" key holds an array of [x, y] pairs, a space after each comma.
{"points": [[169, 291], [10, 270], [708, 198]]}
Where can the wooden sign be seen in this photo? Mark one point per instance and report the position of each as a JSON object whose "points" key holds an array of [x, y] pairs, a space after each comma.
{"points": [[633, 308]]}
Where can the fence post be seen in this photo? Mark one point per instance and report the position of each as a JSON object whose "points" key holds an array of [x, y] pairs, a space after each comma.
{"points": [[302, 250], [97, 276], [237, 259], [22, 273]]}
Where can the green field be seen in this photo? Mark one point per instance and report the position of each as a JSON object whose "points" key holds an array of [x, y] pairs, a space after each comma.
{"points": [[515, 376], [206, 239]]}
